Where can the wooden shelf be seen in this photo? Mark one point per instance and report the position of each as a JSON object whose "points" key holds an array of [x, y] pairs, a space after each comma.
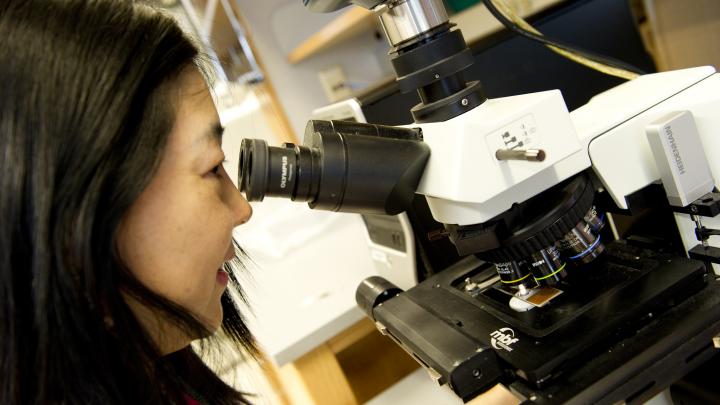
{"points": [[347, 25]]}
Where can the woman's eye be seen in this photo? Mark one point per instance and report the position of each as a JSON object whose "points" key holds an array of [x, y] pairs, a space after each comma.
{"points": [[217, 170]]}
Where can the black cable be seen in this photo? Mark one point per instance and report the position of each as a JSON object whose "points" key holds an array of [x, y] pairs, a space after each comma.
{"points": [[557, 43], [606, 60]]}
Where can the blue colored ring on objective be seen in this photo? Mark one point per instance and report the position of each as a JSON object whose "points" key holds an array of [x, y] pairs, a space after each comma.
{"points": [[588, 250]]}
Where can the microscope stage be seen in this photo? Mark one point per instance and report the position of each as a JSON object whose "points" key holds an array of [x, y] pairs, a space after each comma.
{"points": [[622, 280], [611, 301]]}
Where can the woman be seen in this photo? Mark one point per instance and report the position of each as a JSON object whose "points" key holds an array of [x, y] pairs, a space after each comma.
{"points": [[115, 211]]}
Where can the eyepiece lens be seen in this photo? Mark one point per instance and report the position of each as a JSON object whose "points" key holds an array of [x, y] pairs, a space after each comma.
{"points": [[276, 171], [341, 166]]}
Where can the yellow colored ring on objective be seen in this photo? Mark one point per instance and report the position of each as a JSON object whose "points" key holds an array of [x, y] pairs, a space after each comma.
{"points": [[520, 279], [552, 274]]}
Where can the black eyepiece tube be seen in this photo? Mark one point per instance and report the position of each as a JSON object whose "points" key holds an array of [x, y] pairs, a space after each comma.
{"points": [[288, 171], [341, 166]]}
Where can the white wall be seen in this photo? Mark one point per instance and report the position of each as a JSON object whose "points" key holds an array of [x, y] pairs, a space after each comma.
{"points": [[277, 26]]}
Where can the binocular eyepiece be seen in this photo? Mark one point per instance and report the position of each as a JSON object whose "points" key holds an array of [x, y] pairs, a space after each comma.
{"points": [[341, 166]]}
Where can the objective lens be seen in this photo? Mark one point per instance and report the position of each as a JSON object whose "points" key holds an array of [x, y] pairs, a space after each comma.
{"points": [[596, 221], [547, 267], [515, 274], [583, 243], [549, 234]]}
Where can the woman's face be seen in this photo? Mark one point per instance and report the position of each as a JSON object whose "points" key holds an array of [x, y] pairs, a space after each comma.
{"points": [[177, 235]]}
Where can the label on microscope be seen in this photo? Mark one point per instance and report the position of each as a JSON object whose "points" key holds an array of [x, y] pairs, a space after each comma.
{"points": [[503, 339]]}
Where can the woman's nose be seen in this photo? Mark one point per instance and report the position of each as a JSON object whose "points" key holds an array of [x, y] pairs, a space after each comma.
{"points": [[241, 209]]}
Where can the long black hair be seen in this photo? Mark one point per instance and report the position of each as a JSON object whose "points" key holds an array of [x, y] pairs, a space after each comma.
{"points": [[87, 101]]}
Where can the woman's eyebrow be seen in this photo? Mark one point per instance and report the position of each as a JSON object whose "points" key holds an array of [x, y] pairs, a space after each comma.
{"points": [[213, 134], [216, 132]]}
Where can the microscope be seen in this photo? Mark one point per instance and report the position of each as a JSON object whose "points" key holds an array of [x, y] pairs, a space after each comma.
{"points": [[551, 299]]}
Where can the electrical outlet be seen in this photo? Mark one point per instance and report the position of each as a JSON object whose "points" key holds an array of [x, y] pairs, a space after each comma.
{"points": [[335, 84]]}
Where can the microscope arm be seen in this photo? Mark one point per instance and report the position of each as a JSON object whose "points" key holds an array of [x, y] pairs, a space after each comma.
{"points": [[327, 6]]}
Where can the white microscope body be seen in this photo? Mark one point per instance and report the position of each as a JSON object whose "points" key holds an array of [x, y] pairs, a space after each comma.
{"points": [[465, 183]]}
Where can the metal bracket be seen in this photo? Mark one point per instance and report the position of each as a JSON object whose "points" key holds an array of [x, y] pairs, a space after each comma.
{"points": [[705, 253], [705, 206]]}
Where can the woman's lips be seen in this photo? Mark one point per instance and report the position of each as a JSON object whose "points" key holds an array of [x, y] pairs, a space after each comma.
{"points": [[222, 277]]}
